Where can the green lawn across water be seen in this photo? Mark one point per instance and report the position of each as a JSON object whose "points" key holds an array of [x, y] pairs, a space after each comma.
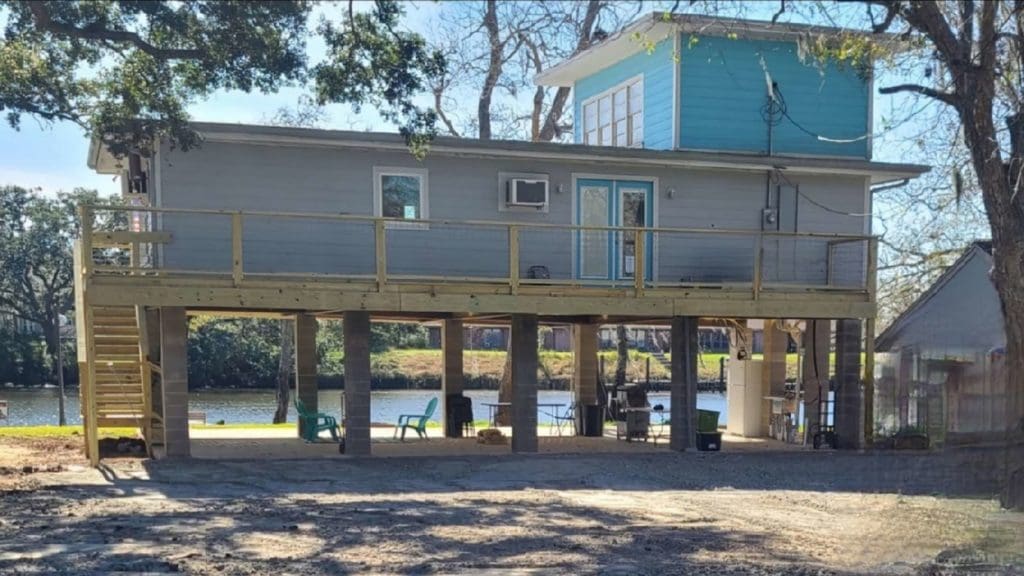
{"points": [[50, 431]]}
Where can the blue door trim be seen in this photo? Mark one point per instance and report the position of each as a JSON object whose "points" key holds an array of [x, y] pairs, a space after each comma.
{"points": [[614, 219]]}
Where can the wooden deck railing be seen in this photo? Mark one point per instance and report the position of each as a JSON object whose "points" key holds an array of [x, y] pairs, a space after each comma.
{"points": [[829, 257]]}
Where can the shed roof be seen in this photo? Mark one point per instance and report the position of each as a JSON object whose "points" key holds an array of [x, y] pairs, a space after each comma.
{"points": [[887, 339]]}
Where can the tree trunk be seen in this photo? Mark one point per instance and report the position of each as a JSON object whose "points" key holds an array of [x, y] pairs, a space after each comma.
{"points": [[51, 334], [494, 67], [1008, 275], [284, 370], [623, 355], [1004, 207]]}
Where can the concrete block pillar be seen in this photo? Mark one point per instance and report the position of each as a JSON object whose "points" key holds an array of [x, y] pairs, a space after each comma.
{"points": [[817, 339], [849, 419], [356, 332], [174, 382], [523, 347], [773, 369], [684, 383], [452, 377], [306, 386], [584, 373]]}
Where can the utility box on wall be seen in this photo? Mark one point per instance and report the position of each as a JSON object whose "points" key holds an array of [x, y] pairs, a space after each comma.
{"points": [[744, 396]]}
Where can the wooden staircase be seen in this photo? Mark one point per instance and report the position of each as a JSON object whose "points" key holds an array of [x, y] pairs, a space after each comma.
{"points": [[121, 372]]}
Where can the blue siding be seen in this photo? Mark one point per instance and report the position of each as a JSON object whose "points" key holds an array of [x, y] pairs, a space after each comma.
{"points": [[723, 91], [657, 68]]}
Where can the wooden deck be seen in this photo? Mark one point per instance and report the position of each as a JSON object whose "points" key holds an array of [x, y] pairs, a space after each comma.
{"points": [[115, 274]]}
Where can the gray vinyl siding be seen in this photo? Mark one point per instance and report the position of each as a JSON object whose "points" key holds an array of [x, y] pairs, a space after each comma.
{"points": [[237, 176], [961, 318]]}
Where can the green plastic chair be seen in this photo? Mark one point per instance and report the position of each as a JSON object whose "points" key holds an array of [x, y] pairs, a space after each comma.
{"points": [[417, 422], [312, 423]]}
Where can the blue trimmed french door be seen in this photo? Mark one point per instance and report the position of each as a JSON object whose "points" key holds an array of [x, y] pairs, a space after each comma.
{"points": [[605, 254]]}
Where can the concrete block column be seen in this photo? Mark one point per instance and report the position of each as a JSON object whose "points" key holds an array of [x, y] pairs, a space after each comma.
{"points": [[773, 370], [817, 339], [356, 332], [523, 347], [684, 383], [849, 417], [174, 383], [306, 386], [584, 374], [452, 376]]}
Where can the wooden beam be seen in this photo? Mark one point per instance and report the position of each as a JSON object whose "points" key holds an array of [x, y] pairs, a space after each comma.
{"points": [[513, 259], [127, 238], [381, 253], [237, 274], [90, 414], [279, 297], [85, 219], [639, 263], [869, 382]]}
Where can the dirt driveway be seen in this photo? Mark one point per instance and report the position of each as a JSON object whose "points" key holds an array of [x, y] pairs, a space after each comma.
{"points": [[799, 513]]}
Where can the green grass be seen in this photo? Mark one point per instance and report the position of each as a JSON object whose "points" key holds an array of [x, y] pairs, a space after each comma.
{"points": [[61, 432]]}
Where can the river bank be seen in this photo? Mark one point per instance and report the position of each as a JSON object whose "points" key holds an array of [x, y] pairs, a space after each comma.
{"points": [[38, 406]]}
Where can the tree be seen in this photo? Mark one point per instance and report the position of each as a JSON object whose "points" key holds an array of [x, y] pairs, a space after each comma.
{"points": [[968, 58], [978, 49], [126, 71], [36, 263], [494, 48]]}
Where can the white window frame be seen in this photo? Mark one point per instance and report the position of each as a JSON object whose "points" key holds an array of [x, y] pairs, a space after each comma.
{"points": [[378, 194], [596, 101]]}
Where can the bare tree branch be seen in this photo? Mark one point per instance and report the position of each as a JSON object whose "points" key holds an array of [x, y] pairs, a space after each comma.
{"points": [[947, 97], [44, 21]]}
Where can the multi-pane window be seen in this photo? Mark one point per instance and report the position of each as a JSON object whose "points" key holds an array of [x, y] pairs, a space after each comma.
{"points": [[400, 193], [616, 117]]}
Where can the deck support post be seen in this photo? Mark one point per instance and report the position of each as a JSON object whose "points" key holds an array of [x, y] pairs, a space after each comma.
{"points": [[356, 330], [174, 380], [683, 394], [849, 422], [773, 369], [584, 373], [452, 378], [816, 341], [869, 382], [306, 386], [523, 348], [156, 396]]}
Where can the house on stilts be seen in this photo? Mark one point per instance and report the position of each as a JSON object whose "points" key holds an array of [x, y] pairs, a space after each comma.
{"points": [[716, 177]]}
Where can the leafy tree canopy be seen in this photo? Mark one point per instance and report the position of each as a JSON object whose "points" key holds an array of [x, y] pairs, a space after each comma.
{"points": [[127, 70]]}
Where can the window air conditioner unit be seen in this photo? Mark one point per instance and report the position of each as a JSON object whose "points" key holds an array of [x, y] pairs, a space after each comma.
{"points": [[527, 192]]}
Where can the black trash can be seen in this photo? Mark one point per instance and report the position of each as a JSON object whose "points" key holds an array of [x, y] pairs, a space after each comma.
{"points": [[709, 441], [458, 412], [593, 420]]}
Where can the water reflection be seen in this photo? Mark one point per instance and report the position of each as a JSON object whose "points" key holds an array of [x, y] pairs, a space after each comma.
{"points": [[37, 406]]}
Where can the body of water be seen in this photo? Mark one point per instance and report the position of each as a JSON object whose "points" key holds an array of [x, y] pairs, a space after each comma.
{"points": [[38, 406]]}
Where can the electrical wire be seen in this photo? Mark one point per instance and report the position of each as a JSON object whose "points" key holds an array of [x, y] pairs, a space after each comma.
{"points": [[776, 104], [779, 175]]}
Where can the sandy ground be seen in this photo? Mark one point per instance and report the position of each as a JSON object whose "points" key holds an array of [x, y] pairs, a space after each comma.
{"points": [[632, 513]]}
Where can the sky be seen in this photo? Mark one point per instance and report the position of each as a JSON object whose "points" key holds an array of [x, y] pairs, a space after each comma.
{"points": [[52, 157]]}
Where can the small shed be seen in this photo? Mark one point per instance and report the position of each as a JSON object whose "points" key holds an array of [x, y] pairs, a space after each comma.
{"points": [[941, 364]]}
